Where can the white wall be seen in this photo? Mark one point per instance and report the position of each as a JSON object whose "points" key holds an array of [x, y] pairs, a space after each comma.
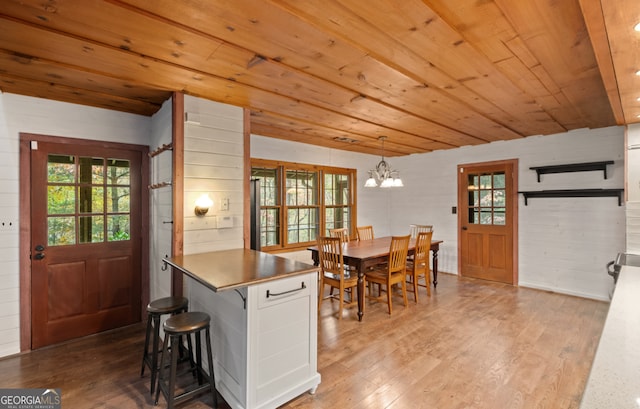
{"points": [[633, 189], [34, 115], [160, 203], [214, 154], [564, 243]]}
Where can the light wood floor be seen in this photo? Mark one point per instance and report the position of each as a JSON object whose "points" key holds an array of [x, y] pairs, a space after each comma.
{"points": [[472, 344]]}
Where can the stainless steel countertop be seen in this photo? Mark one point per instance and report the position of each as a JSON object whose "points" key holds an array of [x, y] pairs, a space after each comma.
{"points": [[231, 269]]}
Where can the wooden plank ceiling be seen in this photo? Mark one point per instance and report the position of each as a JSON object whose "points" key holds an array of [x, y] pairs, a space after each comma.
{"points": [[429, 75]]}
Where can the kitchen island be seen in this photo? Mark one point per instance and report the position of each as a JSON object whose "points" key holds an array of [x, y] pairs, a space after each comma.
{"points": [[263, 312]]}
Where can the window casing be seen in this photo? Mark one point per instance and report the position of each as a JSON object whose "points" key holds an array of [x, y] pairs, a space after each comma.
{"points": [[298, 202]]}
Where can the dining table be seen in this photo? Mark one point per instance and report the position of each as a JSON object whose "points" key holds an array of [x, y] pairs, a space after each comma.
{"points": [[363, 254]]}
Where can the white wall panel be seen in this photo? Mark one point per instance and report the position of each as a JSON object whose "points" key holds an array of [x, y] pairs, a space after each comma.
{"points": [[633, 228], [633, 189], [214, 165], [161, 203]]}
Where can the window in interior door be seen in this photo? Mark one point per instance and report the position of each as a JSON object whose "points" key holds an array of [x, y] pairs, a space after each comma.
{"points": [[88, 200], [487, 199]]}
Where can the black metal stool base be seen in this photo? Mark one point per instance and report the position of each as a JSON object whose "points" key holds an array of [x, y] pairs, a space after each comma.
{"points": [[187, 324], [155, 309]]}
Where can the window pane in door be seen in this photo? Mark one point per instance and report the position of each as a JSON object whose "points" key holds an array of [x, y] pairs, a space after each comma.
{"points": [[485, 198], [118, 228], [91, 199], [485, 182], [91, 229], [118, 172], [61, 200], [485, 216], [91, 170], [61, 169], [117, 199], [61, 231], [498, 198]]}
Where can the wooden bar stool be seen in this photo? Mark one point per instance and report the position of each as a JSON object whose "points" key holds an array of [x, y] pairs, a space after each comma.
{"points": [[156, 309], [186, 324]]}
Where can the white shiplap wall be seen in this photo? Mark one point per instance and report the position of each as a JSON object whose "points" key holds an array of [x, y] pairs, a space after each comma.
{"points": [[40, 116], [564, 243], [160, 203], [633, 189], [214, 152]]}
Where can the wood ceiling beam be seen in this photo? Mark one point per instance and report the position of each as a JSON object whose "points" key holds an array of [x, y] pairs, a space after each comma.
{"points": [[42, 89], [594, 20], [48, 71], [398, 143]]}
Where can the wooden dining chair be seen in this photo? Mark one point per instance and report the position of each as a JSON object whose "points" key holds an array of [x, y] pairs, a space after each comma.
{"points": [[342, 233], [419, 264], [394, 272], [414, 229], [364, 233], [332, 271]]}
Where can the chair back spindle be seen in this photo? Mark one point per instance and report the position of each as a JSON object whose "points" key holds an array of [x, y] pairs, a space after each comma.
{"points": [[364, 232]]}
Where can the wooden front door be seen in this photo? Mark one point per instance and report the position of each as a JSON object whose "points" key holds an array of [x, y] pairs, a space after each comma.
{"points": [[487, 199], [85, 239]]}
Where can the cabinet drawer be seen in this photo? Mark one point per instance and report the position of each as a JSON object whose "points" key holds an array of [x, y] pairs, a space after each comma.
{"points": [[283, 290]]}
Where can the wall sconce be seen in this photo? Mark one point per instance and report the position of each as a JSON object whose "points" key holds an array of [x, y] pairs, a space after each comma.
{"points": [[203, 204]]}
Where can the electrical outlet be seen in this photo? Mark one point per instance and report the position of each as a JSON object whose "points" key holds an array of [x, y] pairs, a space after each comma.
{"points": [[224, 204]]}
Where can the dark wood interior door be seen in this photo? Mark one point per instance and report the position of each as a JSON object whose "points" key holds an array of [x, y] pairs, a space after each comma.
{"points": [[85, 239], [487, 199]]}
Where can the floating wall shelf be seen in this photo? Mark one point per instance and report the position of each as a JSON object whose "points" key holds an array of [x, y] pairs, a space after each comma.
{"points": [[575, 193], [573, 167]]}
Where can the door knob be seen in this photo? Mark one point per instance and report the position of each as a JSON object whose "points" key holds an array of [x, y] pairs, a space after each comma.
{"points": [[39, 247], [39, 256], [464, 227]]}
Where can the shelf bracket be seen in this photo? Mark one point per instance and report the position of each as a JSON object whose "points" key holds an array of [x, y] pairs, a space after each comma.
{"points": [[244, 299]]}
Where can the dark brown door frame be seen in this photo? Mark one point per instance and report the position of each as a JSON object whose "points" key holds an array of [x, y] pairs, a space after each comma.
{"points": [[25, 224]]}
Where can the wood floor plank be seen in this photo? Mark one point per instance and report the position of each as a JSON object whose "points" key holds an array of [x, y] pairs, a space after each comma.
{"points": [[472, 344]]}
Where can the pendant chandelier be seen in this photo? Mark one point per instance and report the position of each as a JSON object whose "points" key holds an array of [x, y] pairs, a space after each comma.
{"points": [[383, 175]]}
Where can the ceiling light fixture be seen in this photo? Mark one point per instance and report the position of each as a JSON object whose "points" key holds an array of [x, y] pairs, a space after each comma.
{"points": [[383, 175], [637, 27]]}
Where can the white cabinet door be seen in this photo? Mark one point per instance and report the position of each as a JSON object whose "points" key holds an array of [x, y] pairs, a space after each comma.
{"points": [[282, 340]]}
